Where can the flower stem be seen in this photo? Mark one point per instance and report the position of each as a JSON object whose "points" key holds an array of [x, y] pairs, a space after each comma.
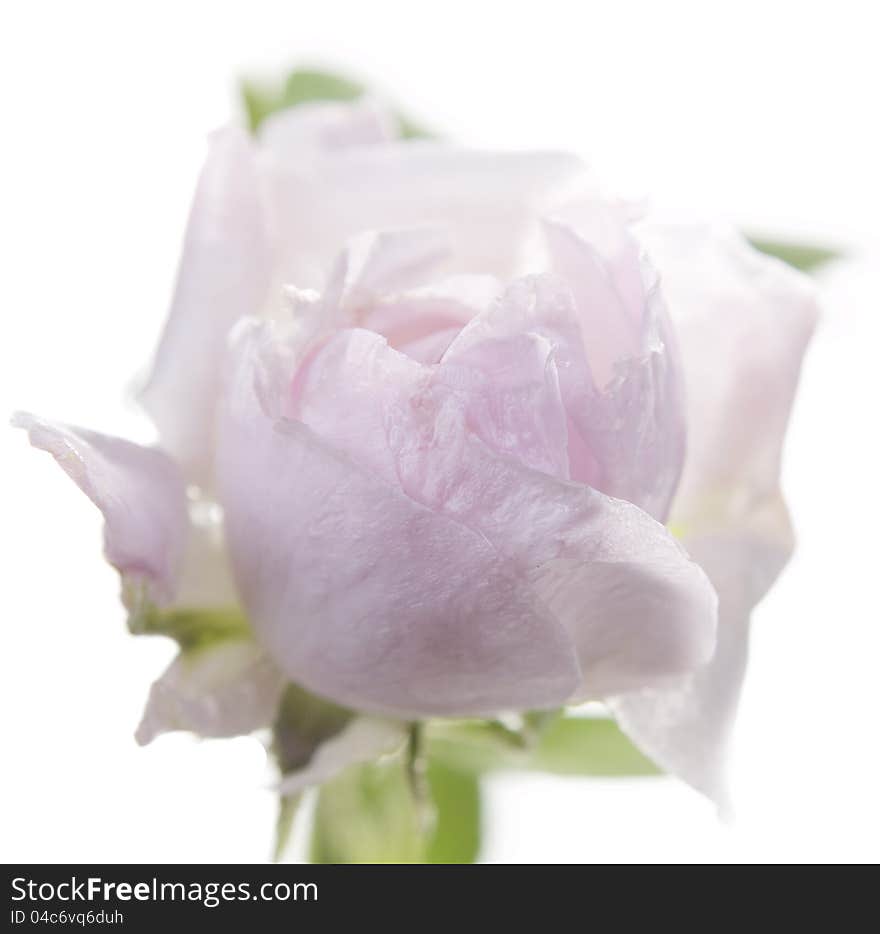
{"points": [[416, 771]]}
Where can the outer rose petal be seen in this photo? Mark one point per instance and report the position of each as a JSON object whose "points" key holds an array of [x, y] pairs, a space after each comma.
{"points": [[311, 130], [744, 321], [637, 609], [221, 690], [414, 615], [227, 689], [488, 202], [362, 740], [139, 491], [686, 727], [225, 272]]}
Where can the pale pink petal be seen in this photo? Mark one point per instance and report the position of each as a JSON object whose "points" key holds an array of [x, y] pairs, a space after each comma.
{"points": [[139, 491], [378, 262], [744, 321], [638, 610], [360, 394], [543, 307], [430, 347], [424, 320], [686, 727], [225, 272], [634, 425], [363, 595], [512, 399], [227, 689], [606, 281], [168, 546], [625, 439], [488, 203], [370, 267], [310, 130]]}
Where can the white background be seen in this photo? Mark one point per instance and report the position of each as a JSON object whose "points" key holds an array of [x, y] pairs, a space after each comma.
{"points": [[764, 113]]}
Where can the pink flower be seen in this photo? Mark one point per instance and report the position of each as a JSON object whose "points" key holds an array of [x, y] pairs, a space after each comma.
{"points": [[422, 415]]}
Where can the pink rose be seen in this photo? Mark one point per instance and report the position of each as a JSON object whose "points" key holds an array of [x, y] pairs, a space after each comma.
{"points": [[426, 408]]}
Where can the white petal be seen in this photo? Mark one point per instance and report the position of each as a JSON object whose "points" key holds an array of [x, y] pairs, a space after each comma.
{"points": [[489, 203], [227, 689], [375, 263], [297, 134], [686, 727], [744, 321], [225, 273]]}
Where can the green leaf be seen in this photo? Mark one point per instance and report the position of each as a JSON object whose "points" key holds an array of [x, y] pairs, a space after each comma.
{"points": [[303, 86], [368, 814], [409, 129], [260, 101], [288, 805], [306, 85], [455, 837], [803, 256], [590, 746]]}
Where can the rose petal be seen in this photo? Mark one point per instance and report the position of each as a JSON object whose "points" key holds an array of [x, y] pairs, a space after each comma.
{"points": [[312, 129], [634, 425], [638, 610], [377, 262], [415, 614], [139, 491], [686, 727], [225, 272], [488, 203], [227, 689], [541, 307], [423, 322], [744, 321]]}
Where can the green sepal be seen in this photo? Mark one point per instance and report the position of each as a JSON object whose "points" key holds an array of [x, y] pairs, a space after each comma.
{"points": [[192, 628], [302, 724]]}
